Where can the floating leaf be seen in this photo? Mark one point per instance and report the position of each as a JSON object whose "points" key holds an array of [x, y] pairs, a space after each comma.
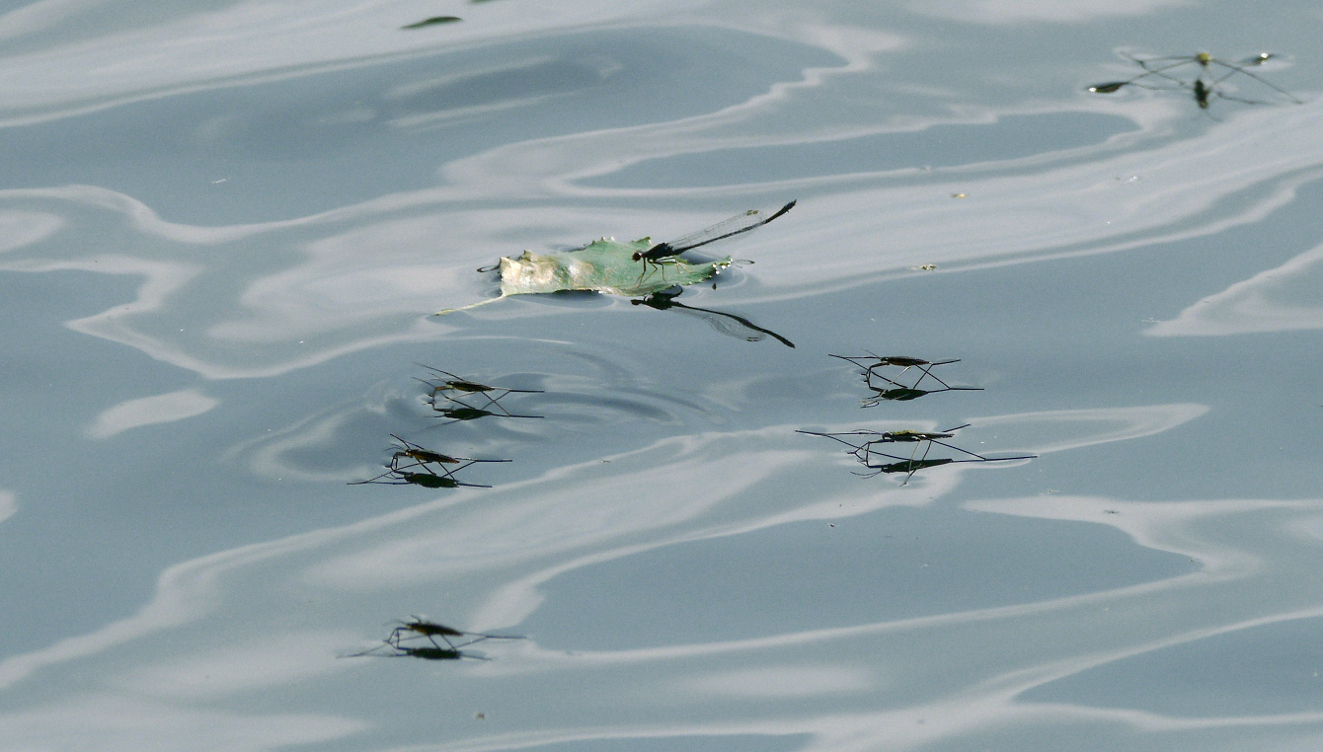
{"points": [[601, 266], [631, 269], [604, 266]]}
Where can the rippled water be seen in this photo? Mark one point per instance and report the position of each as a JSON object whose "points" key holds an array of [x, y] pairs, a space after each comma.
{"points": [[224, 227]]}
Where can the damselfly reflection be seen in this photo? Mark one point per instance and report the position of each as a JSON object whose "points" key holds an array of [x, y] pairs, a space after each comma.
{"points": [[891, 388], [412, 465], [657, 256], [1208, 83], [726, 323], [864, 447]]}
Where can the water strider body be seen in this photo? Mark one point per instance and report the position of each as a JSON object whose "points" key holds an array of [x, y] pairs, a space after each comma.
{"points": [[421, 627], [866, 452], [420, 472], [1204, 86], [897, 390], [455, 384], [420, 455]]}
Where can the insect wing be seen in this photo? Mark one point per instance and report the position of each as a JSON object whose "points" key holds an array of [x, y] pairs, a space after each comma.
{"points": [[737, 224], [742, 222]]}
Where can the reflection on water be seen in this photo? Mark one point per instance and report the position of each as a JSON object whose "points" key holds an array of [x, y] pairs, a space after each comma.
{"points": [[726, 323], [888, 389], [453, 389], [163, 408], [419, 629], [1268, 667], [433, 21], [871, 449], [260, 208], [411, 464], [8, 505], [1274, 300]]}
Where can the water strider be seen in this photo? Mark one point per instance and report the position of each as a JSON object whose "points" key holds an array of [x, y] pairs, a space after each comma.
{"points": [[897, 390], [905, 363], [420, 472], [866, 452], [420, 455], [453, 383], [421, 627], [1202, 89]]}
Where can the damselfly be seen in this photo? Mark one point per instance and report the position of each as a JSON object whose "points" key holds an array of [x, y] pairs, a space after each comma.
{"points": [[659, 254]]}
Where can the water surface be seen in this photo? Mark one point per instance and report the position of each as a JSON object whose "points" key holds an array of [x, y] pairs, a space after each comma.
{"points": [[223, 229]]}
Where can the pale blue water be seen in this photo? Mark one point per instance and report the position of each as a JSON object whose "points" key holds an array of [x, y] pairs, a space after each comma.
{"points": [[223, 229]]}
